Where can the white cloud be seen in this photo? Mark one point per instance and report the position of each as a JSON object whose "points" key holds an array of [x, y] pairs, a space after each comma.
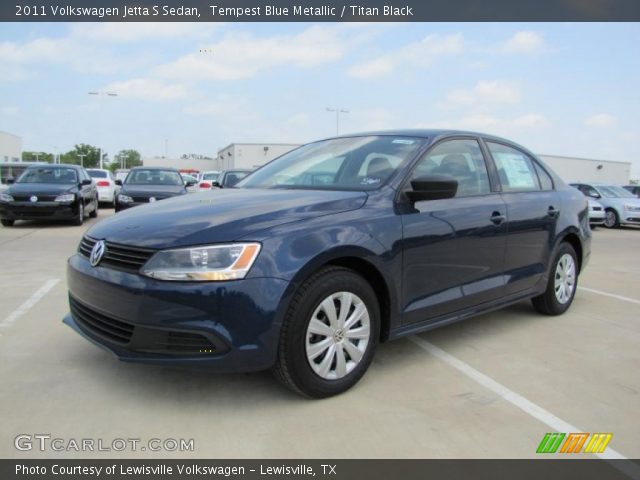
{"points": [[421, 54], [485, 94], [601, 120], [524, 41], [148, 89], [243, 55], [531, 120], [126, 32]]}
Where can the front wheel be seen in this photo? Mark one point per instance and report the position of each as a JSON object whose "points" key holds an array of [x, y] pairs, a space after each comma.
{"points": [[611, 219], [79, 215], [562, 283], [329, 334], [7, 223]]}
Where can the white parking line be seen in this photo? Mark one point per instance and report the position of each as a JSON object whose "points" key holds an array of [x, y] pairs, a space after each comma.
{"points": [[26, 306], [536, 411], [612, 295]]}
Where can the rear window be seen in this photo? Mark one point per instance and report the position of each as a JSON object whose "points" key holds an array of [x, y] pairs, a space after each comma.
{"points": [[97, 174]]}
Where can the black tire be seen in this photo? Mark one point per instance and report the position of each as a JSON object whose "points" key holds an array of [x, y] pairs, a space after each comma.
{"points": [[7, 223], [293, 368], [79, 220], [94, 212], [611, 219], [548, 302]]}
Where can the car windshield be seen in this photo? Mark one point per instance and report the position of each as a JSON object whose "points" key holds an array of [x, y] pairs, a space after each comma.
{"points": [[613, 191], [49, 175], [154, 177], [97, 173], [356, 163]]}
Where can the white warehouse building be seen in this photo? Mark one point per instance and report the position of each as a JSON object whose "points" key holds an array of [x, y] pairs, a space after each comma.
{"points": [[573, 169], [10, 147], [250, 155]]}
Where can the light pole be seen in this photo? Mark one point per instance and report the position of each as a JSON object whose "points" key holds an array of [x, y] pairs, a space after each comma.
{"points": [[37, 155], [82, 155], [338, 111], [101, 94]]}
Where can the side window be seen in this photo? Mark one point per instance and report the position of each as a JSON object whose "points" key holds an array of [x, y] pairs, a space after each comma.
{"points": [[461, 159], [545, 180], [515, 168], [590, 191]]}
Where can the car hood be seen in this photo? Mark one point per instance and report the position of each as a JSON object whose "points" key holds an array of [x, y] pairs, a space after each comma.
{"points": [[151, 190], [40, 188], [219, 216]]}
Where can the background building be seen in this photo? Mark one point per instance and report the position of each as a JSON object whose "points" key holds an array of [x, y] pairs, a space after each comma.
{"points": [[250, 155], [10, 147], [573, 169], [200, 164]]}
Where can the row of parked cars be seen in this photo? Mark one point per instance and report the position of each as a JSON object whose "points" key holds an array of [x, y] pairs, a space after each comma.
{"points": [[611, 205], [71, 192]]}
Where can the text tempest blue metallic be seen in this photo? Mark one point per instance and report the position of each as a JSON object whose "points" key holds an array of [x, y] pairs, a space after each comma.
{"points": [[328, 250]]}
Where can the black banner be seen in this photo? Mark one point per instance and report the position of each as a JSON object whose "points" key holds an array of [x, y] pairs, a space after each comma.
{"points": [[547, 469], [319, 10]]}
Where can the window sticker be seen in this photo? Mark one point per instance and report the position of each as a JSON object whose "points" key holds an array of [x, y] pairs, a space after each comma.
{"points": [[403, 141], [369, 181], [517, 171]]}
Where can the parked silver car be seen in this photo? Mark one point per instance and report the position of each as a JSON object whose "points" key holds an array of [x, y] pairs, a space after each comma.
{"points": [[621, 206]]}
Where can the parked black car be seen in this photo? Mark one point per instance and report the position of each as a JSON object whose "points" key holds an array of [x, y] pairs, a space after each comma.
{"points": [[149, 184], [413, 230], [50, 192], [229, 178]]}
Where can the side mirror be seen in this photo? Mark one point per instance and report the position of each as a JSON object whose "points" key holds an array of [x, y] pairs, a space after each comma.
{"points": [[11, 181], [190, 183], [593, 195], [86, 181], [216, 184], [119, 183], [433, 187]]}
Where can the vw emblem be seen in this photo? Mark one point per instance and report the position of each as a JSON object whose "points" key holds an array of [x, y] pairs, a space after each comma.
{"points": [[97, 252], [152, 199], [33, 199]]}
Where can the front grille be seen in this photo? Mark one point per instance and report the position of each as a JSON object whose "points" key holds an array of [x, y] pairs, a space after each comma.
{"points": [[41, 198], [597, 209], [101, 325], [31, 212], [121, 257], [181, 343], [146, 199]]}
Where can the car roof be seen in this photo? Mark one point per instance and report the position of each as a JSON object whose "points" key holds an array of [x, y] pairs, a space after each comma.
{"points": [[154, 168], [56, 165]]}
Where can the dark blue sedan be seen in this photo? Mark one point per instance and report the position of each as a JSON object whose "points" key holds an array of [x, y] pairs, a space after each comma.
{"points": [[328, 250]]}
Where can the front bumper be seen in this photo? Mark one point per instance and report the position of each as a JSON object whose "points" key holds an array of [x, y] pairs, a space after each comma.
{"points": [[227, 326], [38, 211], [596, 217]]}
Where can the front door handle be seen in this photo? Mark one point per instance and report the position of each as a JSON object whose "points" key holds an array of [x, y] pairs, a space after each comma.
{"points": [[552, 212], [497, 218]]}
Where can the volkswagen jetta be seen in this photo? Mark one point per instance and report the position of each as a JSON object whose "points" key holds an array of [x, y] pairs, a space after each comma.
{"points": [[328, 250]]}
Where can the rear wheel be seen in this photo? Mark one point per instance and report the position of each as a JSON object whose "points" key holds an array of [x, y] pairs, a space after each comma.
{"points": [[611, 219], [7, 223], [329, 334], [562, 283]]}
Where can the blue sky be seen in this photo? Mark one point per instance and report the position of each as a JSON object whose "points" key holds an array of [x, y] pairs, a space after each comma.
{"points": [[565, 89]]}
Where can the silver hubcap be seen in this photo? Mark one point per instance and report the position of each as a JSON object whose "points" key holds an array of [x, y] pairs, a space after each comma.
{"points": [[565, 280], [337, 335], [610, 219]]}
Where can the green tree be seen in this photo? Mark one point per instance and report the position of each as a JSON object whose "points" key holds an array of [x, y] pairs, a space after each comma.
{"points": [[40, 157], [128, 158], [91, 156]]}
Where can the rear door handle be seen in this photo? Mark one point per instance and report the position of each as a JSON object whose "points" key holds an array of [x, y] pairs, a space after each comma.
{"points": [[498, 218], [552, 212]]}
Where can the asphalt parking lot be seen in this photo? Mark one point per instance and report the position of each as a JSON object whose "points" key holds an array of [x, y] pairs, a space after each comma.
{"points": [[490, 387]]}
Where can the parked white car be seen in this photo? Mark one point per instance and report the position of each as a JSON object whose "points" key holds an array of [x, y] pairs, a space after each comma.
{"points": [[597, 214], [106, 185], [190, 179], [206, 179]]}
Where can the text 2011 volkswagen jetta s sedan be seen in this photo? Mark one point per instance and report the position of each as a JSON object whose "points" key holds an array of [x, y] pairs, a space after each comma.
{"points": [[328, 250]]}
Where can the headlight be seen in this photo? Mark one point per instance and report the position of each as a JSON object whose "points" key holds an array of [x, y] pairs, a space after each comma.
{"points": [[632, 208], [66, 198], [125, 199], [4, 197], [201, 264]]}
